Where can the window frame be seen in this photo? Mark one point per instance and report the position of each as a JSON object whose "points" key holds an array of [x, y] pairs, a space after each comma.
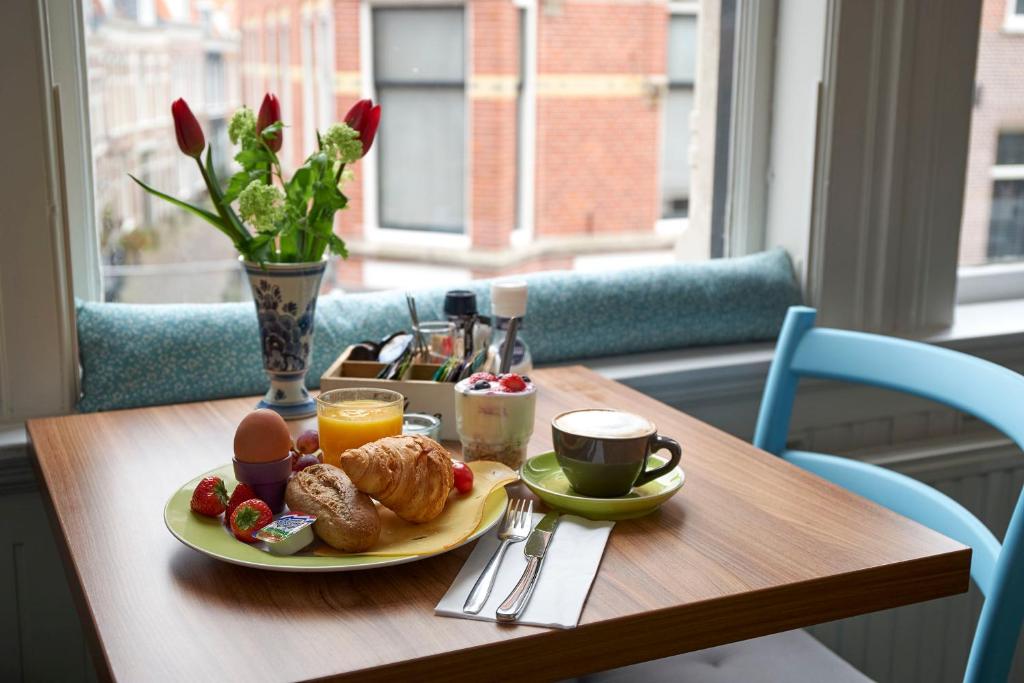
{"points": [[526, 126], [57, 56], [373, 231], [1013, 22], [676, 224]]}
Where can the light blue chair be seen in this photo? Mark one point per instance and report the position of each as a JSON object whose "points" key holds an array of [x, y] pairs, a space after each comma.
{"points": [[985, 390], [969, 384]]}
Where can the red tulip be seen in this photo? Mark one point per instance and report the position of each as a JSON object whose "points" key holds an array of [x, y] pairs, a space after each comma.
{"points": [[364, 118], [270, 113], [187, 129]]}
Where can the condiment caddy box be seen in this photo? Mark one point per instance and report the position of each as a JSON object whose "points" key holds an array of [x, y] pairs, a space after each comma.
{"points": [[422, 394]]}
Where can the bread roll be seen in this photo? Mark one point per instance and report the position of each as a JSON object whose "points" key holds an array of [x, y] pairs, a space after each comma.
{"points": [[410, 475], [346, 519]]}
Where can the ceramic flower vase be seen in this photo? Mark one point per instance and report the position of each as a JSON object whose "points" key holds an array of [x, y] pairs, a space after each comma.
{"points": [[285, 297]]}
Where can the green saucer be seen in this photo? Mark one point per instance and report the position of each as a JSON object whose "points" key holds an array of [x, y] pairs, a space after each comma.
{"points": [[544, 477]]}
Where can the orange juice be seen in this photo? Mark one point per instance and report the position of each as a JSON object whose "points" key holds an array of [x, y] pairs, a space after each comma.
{"points": [[346, 423]]}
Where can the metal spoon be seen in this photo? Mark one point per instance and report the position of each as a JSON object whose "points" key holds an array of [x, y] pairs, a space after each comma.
{"points": [[509, 347]]}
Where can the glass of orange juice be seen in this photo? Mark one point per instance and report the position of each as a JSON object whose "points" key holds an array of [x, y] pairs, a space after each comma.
{"points": [[350, 418]]}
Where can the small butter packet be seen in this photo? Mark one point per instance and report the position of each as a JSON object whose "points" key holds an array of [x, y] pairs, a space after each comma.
{"points": [[288, 534]]}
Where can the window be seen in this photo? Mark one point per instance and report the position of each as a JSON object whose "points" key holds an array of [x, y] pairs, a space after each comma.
{"points": [[308, 85], [675, 139], [323, 52], [1014, 15], [516, 137], [992, 228], [419, 75], [1006, 224]]}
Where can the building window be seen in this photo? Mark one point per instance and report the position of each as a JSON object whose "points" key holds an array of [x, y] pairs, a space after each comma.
{"points": [[991, 227], [323, 52], [1014, 16], [675, 157], [284, 75], [308, 85], [420, 78], [1006, 221], [523, 105]]}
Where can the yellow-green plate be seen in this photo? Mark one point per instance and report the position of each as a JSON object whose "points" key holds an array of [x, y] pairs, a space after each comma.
{"points": [[544, 477], [209, 536]]}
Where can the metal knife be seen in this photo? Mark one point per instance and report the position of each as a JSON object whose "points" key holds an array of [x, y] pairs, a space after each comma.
{"points": [[536, 547]]}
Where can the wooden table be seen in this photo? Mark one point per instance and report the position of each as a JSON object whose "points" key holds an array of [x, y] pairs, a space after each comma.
{"points": [[750, 546]]}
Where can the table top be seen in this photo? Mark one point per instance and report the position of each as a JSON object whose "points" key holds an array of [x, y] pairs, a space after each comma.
{"points": [[750, 546]]}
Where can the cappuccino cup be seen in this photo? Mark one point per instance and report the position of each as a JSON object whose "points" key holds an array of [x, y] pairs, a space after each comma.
{"points": [[604, 453]]}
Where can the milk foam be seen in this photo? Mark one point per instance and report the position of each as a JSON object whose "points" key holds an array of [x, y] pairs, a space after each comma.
{"points": [[604, 424]]}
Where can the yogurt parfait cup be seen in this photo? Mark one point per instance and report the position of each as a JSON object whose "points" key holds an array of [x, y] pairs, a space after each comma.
{"points": [[494, 417]]}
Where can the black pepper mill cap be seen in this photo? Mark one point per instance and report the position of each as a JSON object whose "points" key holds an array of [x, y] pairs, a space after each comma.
{"points": [[460, 302]]}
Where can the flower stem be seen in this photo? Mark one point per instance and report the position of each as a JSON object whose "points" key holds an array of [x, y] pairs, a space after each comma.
{"points": [[234, 225]]}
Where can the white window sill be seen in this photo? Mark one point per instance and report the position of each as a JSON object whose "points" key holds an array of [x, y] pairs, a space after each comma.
{"points": [[993, 322], [978, 328]]}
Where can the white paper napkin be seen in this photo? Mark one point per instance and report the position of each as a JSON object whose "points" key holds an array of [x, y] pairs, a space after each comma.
{"points": [[569, 568]]}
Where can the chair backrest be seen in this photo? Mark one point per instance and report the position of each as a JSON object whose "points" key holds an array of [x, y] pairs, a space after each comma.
{"points": [[983, 389]]}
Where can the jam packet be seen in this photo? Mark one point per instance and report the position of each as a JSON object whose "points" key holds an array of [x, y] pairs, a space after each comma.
{"points": [[288, 534]]}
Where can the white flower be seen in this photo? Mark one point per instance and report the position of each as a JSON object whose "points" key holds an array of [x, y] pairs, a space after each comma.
{"points": [[342, 143], [262, 205], [242, 125]]}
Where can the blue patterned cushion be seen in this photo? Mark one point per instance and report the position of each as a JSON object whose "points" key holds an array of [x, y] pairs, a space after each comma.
{"points": [[135, 354]]}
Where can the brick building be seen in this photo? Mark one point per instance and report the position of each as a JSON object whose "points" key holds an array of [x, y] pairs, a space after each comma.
{"points": [[515, 136], [993, 222], [177, 48]]}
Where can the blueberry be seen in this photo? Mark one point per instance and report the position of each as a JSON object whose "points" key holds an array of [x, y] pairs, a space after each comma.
{"points": [[482, 384], [526, 379]]}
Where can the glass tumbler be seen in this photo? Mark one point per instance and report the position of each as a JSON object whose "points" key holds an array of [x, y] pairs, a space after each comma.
{"points": [[350, 418]]}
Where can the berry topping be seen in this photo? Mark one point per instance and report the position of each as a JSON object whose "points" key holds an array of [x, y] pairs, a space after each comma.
{"points": [[210, 497], [482, 384], [482, 377], [248, 518], [512, 383], [242, 493], [527, 379]]}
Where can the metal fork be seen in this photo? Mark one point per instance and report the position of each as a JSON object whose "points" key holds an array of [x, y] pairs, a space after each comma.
{"points": [[515, 527]]}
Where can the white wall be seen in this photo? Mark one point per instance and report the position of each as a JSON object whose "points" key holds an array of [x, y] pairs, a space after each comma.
{"points": [[37, 366]]}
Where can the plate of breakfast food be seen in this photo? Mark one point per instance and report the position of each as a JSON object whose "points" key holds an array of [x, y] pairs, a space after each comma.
{"points": [[395, 500]]}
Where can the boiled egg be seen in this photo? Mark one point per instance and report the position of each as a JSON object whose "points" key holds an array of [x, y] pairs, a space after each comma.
{"points": [[262, 436]]}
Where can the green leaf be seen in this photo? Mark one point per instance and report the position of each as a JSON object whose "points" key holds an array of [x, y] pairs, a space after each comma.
{"points": [[207, 216], [337, 245], [252, 158], [238, 182], [275, 127], [231, 220]]}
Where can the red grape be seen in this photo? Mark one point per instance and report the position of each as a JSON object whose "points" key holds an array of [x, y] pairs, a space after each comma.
{"points": [[303, 461], [308, 442]]}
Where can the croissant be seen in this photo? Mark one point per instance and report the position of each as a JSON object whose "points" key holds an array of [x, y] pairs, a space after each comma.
{"points": [[411, 475]]}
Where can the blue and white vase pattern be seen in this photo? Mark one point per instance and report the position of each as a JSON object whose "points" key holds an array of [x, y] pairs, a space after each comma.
{"points": [[285, 295]]}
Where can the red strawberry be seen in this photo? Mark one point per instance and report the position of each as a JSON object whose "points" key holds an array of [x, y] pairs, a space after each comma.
{"points": [[242, 493], [210, 497], [481, 377], [512, 382], [248, 518]]}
